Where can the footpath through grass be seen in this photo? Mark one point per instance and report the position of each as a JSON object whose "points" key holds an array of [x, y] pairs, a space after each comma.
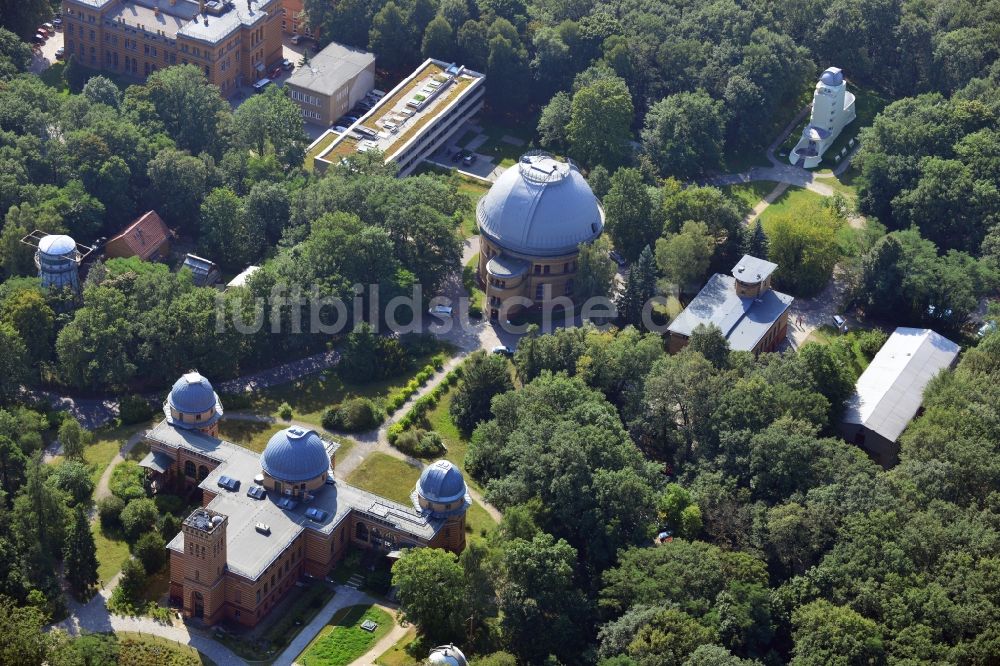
{"points": [[398, 654], [791, 200], [343, 640]]}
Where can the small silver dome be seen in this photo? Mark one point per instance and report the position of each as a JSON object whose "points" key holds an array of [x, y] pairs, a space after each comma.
{"points": [[442, 483], [833, 77], [447, 655], [57, 245]]}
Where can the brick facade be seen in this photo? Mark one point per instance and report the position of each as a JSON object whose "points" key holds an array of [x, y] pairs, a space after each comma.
{"points": [[136, 40]]}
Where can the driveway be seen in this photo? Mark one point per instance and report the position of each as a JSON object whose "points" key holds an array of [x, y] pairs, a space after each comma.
{"points": [[45, 57]]}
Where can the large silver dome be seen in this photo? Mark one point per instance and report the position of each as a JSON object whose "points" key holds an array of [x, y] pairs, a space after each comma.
{"points": [[540, 207]]}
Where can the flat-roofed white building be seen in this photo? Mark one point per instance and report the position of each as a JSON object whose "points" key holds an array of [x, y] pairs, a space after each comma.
{"points": [[890, 391], [333, 81], [413, 120]]}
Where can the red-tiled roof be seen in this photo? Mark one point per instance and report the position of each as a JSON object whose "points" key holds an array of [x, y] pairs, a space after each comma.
{"points": [[144, 236]]}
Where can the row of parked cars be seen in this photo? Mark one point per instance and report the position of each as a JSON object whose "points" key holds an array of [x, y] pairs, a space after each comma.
{"points": [[46, 30], [360, 109]]}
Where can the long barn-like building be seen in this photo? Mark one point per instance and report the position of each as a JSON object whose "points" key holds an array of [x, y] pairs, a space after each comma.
{"points": [[268, 519]]}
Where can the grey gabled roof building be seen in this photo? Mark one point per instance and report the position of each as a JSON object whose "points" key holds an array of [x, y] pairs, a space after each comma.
{"points": [[742, 305], [891, 389]]}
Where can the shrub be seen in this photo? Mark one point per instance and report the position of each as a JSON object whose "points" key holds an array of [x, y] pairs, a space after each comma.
{"points": [[109, 509], [285, 411], [395, 430], [127, 481], [134, 409], [138, 516], [169, 504], [438, 360], [170, 526], [150, 549], [420, 443], [331, 418], [869, 342], [130, 585], [353, 415]]}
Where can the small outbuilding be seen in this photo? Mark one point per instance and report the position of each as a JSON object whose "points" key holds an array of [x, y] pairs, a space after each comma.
{"points": [[205, 272], [890, 391], [147, 238]]}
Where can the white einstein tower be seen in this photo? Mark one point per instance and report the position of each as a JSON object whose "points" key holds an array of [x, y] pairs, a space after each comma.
{"points": [[832, 110]]}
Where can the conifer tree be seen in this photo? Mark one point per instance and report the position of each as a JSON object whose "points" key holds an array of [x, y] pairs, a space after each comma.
{"points": [[80, 553]]}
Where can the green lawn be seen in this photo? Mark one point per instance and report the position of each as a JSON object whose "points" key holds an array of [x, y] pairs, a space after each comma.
{"points": [[749, 195], [790, 200], [397, 655], [471, 284], [250, 434], [311, 395], [317, 149], [477, 521], [503, 153], [112, 551], [386, 476], [343, 640], [106, 444]]}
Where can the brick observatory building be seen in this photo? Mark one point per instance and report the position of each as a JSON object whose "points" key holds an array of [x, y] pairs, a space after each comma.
{"points": [[232, 41], [268, 519]]}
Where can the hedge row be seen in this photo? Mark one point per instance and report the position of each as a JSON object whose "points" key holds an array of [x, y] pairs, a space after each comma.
{"points": [[399, 397], [425, 404]]}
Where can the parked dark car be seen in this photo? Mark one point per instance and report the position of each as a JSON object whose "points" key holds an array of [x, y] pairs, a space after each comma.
{"points": [[469, 158], [287, 65], [60, 53], [276, 72], [617, 258]]}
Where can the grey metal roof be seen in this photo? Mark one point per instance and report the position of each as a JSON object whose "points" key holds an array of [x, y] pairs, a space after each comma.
{"points": [[332, 68], [744, 321], [505, 266], [891, 389], [540, 207], [157, 460], [441, 482], [249, 552], [295, 454], [752, 269]]}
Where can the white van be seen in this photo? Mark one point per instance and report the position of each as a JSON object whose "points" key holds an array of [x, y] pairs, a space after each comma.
{"points": [[260, 85]]}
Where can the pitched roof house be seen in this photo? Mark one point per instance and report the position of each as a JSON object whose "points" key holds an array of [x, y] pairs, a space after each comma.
{"points": [[147, 238], [889, 392], [751, 315]]}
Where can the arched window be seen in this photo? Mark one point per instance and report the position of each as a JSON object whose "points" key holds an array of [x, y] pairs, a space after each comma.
{"points": [[189, 469], [202, 472], [361, 532]]}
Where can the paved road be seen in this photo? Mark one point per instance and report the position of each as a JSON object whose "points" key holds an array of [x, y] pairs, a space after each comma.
{"points": [[94, 413], [94, 617]]}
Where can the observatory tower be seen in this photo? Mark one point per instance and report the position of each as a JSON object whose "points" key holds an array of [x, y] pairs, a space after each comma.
{"points": [[58, 259]]}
